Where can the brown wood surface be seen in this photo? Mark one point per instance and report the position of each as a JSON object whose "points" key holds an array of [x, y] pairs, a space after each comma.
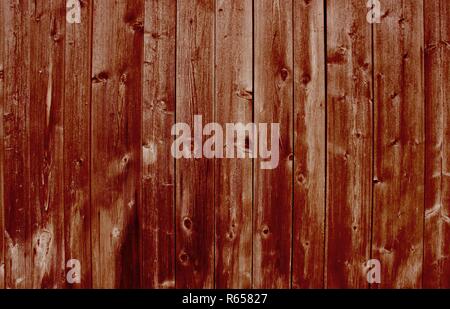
{"points": [[309, 144], [349, 143], [195, 177], [77, 156], [116, 141], [2, 153], [158, 174], [86, 171], [233, 178], [398, 213], [273, 96], [47, 42], [436, 273], [16, 105]]}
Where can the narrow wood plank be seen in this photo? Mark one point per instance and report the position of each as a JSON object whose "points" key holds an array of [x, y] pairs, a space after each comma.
{"points": [[399, 144], [77, 105], [436, 268], [445, 45], [16, 27], [47, 31], [349, 143], [195, 176], [234, 103], [273, 104], [309, 144], [118, 44], [2, 138], [158, 207]]}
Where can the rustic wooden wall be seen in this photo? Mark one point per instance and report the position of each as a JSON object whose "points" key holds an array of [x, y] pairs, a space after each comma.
{"points": [[86, 171]]}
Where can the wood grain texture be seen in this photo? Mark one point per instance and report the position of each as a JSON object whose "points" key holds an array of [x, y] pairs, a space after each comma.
{"points": [[158, 205], [273, 103], [309, 144], [116, 141], [349, 143], [399, 144], [86, 170], [234, 103], [16, 79], [436, 268], [47, 42], [77, 156], [195, 176], [2, 155]]}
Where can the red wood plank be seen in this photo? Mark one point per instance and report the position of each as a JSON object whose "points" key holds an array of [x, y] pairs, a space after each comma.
{"points": [[436, 268], [445, 45], [349, 143], [195, 176], [399, 144], [77, 105], [158, 205], [47, 31], [234, 102], [118, 45], [309, 144], [16, 27], [273, 71], [2, 155]]}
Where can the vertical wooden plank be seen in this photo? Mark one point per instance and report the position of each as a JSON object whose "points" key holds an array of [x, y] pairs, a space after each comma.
{"points": [[77, 105], [158, 230], [16, 27], [399, 144], [234, 102], [2, 138], [46, 142], [195, 176], [436, 268], [349, 143], [273, 104], [116, 141], [445, 46], [309, 144]]}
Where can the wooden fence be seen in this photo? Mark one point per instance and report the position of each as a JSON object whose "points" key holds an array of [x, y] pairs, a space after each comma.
{"points": [[86, 170]]}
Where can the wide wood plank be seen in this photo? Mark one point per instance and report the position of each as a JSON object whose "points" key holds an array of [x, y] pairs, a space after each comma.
{"points": [[273, 69], [399, 144], [349, 143], [77, 184], [195, 176], [47, 42], [118, 45], [309, 144], [16, 27], [436, 268], [234, 104], [158, 205]]}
